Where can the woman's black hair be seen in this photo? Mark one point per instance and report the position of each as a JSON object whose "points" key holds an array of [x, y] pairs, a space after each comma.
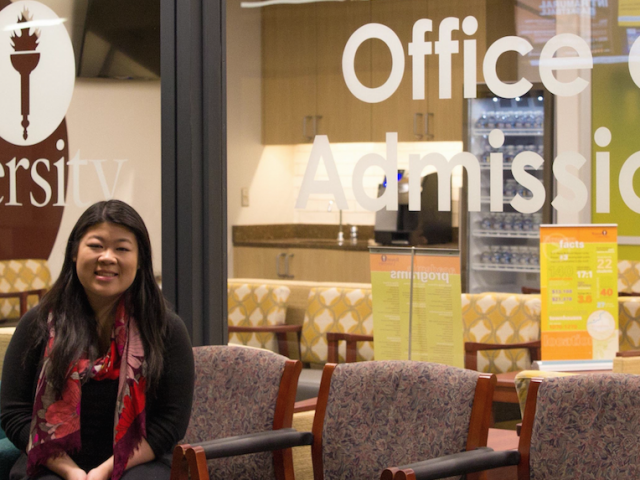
{"points": [[75, 322]]}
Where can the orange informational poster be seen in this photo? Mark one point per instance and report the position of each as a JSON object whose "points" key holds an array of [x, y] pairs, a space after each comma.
{"points": [[579, 280], [417, 311]]}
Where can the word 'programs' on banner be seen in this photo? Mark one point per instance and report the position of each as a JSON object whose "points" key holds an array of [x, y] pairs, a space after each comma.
{"points": [[579, 288], [417, 311]]}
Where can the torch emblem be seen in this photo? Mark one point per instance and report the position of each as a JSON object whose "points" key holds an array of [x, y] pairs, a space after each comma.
{"points": [[24, 61]]}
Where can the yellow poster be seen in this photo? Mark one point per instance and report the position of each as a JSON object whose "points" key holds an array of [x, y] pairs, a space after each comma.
{"points": [[416, 295], [579, 280], [628, 13]]}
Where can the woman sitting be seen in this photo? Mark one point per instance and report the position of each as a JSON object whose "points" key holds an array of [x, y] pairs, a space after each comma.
{"points": [[98, 378]]}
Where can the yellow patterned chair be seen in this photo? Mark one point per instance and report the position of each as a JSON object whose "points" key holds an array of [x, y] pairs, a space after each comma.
{"points": [[501, 331], [629, 323], [628, 277], [334, 314], [256, 315], [22, 284]]}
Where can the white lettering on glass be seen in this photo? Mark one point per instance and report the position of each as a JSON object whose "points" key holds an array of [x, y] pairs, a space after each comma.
{"points": [[444, 169], [41, 182], [389, 199], [602, 137], [322, 150], [528, 181], [548, 63], [572, 182], [496, 172], [388, 36]]}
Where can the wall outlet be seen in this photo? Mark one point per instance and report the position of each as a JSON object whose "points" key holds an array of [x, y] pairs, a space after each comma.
{"points": [[244, 197]]}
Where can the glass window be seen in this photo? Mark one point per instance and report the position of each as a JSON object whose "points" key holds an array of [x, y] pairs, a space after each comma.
{"points": [[80, 119], [332, 104]]}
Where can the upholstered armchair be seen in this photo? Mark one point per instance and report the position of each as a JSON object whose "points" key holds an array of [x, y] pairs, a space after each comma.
{"points": [[333, 315], [257, 316], [580, 426], [338, 326], [22, 284], [501, 331], [373, 415], [240, 423], [628, 277]]}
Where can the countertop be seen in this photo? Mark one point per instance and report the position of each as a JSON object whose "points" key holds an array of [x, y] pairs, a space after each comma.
{"points": [[308, 236]]}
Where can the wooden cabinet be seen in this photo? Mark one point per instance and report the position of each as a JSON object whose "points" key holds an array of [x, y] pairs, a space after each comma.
{"points": [[305, 264], [288, 73], [399, 113], [257, 262], [343, 118], [304, 92]]}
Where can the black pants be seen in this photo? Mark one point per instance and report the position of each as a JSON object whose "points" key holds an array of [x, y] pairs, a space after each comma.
{"points": [[157, 469]]}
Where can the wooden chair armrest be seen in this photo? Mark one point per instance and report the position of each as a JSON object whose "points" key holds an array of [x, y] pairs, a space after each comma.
{"points": [[280, 331], [471, 350], [266, 328], [352, 340], [192, 459], [305, 405], [483, 458], [628, 353], [23, 297]]}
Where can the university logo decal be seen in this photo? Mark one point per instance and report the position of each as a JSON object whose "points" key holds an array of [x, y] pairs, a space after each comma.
{"points": [[37, 76]]}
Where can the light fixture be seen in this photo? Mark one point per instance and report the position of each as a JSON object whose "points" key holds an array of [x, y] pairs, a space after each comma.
{"points": [[266, 3], [34, 24]]}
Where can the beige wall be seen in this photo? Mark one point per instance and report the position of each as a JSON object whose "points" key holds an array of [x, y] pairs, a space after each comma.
{"points": [[110, 121]]}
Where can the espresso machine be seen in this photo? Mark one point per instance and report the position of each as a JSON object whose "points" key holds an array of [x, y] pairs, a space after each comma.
{"points": [[426, 227]]}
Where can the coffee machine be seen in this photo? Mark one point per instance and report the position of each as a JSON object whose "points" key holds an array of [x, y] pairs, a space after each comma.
{"points": [[429, 226]]}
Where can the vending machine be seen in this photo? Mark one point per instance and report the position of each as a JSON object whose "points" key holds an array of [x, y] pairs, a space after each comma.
{"points": [[500, 249]]}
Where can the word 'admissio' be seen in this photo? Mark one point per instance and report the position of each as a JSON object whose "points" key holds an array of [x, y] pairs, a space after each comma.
{"points": [[564, 170]]}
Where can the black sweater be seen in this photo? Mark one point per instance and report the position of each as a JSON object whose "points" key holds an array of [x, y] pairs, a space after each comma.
{"points": [[167, 412]]}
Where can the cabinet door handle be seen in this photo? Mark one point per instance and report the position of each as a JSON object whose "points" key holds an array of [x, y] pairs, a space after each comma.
{"points": [[286, 265], [415, 125], [315, 124], [427, 121], [304, 127], [278, 263]]}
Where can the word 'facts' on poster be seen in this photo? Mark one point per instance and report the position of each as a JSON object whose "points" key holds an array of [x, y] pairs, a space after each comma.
{"points": [[579, 288]]}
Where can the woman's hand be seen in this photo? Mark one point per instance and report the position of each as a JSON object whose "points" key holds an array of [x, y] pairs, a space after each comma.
{"points": [[76, 474], [102, 471], [64, 466]]}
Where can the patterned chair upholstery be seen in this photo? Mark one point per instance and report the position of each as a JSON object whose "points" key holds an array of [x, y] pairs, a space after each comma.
{"points": [[374, 415], [28, 278], [501, 318], [629, 277], [629, 323], [344, 310], [580, 426], [256, 305], [238, 391], [586, 426], [523, 379]]}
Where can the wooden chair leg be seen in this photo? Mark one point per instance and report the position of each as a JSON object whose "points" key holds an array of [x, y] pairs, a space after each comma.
{"points": [[352, 351], [23, 304], [283, 344]]}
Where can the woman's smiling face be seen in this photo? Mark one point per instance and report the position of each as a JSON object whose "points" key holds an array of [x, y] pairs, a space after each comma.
{"points": [[106, 263]]}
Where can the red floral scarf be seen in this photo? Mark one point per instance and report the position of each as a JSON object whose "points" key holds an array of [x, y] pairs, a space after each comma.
{"points": [[55, 426]]}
